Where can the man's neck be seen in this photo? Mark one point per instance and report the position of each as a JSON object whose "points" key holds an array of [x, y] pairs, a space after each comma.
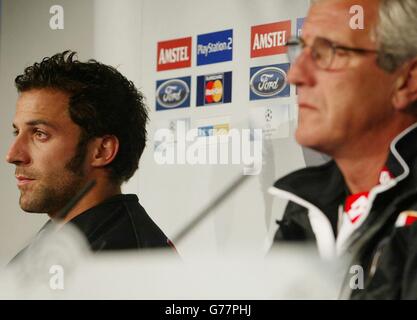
{"points": [[362, 163], [99, 193], [362, 174]]}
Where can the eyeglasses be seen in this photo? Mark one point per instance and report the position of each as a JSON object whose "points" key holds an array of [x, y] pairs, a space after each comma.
{"points": [[326, 54]]}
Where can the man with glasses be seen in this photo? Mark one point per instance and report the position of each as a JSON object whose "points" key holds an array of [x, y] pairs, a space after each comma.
{"points": [[357, 97]]}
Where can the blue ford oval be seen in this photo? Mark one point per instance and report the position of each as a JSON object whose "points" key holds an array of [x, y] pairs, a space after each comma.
{"points": [[268, 82], [173, 93]]}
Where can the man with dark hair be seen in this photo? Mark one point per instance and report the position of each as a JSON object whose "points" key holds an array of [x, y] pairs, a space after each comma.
{"points": [[357, 96], [78, 122]]}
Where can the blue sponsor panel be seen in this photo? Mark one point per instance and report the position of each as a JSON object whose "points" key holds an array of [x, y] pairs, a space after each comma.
{"points": [[214, 89], [299, 26], [267, 82], [213, 130], [215, 47], [206, 131], [173, 93], [300, 23]]}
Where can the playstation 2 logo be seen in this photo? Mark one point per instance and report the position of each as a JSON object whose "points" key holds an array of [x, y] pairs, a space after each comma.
{"points": [[299, 25], [215, 47]]}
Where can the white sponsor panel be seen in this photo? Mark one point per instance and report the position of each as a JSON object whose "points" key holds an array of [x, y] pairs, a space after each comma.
{"points": [[212, 127], [273, 120], [171, 125]]}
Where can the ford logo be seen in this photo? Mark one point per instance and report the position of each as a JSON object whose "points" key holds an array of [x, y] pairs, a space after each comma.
{"points": [[172, 93], [268, 82]]}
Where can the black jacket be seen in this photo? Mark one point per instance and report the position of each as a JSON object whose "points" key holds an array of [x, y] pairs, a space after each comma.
{"points": [[119, 223], [386, 252]]}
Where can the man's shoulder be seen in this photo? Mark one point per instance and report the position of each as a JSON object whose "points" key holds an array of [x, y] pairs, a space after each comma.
{"points": [[149, 233], [394, 261], [120, 223], [307, 175], [320, 185]]}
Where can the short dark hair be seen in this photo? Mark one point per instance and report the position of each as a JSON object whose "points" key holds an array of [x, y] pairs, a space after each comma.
{"points": [[101, 101]]}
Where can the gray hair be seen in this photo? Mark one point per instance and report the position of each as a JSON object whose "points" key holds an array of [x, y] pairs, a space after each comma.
{"points": [[397, 32]]}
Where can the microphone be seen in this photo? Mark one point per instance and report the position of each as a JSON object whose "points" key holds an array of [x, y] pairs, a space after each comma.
{"points": [[53, 225], [78, 196]]}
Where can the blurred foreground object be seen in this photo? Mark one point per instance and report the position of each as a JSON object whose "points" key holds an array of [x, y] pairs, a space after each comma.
{"points": [[289, 272]]}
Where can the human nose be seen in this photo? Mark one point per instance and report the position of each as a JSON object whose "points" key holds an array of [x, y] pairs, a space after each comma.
{"points": [[17, 153], [302, 70]]}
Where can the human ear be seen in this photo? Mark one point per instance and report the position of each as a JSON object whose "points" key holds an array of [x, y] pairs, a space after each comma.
{"points": [[406, 87], [105, 150]]}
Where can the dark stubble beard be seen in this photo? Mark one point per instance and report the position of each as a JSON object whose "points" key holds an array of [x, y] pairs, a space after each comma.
{"points": [[56, 190]]}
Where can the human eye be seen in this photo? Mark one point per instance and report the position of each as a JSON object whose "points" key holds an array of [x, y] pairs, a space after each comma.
{"points": [[340, 52], [293, 41], [302, 43], [40, 134]]}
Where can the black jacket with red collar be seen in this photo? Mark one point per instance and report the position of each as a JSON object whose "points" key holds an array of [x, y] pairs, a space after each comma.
{"points": [[386, 250]]}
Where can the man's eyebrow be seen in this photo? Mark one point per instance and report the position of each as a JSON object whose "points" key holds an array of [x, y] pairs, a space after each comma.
{"points": [[37, 122]]}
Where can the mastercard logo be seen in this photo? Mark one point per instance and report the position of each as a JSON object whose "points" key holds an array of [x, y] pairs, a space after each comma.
{"points": [[214, 91]]}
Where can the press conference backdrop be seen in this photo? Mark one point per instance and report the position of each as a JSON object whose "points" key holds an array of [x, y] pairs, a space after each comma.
{"points": [[200, 65], [220, 52]]}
